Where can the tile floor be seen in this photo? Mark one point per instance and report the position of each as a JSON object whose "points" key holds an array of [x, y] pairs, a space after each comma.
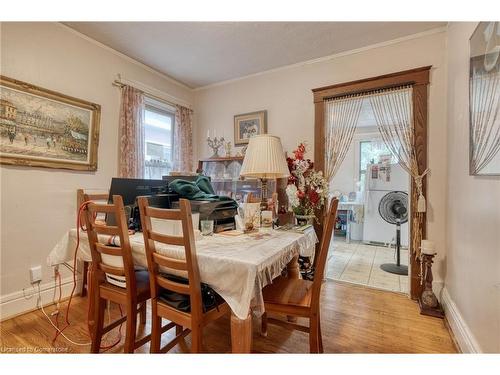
{"points": [[359, 263]]}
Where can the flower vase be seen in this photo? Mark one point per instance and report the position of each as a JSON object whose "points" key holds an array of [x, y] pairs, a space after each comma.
{"points": [[305, 219]]}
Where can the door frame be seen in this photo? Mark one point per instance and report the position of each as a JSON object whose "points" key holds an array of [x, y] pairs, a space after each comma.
{"points": [[418, 78]]}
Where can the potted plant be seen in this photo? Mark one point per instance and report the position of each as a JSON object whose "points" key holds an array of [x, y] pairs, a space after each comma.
{"points": [[307, 189]]}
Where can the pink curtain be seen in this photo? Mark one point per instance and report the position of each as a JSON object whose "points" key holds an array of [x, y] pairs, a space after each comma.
{"points": [[131, 133], [183, 139]]}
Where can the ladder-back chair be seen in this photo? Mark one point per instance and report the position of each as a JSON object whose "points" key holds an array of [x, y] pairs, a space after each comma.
{"points": [[102, 239], [301, 298], [82, 196], [186, 322]]}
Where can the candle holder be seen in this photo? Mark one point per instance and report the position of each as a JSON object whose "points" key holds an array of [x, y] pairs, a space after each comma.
{"points": [[215, 143], [429, 305], [227, 147]]}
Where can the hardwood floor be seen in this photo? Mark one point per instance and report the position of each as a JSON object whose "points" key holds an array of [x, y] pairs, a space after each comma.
{"points": [[354, 319]]}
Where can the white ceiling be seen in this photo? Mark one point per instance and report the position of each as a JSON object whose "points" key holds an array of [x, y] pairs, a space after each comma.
{"points": [[202, 53]]}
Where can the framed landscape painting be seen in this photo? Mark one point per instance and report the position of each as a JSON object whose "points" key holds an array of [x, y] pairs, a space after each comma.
{"points": [[43, 128], [248, 125]]}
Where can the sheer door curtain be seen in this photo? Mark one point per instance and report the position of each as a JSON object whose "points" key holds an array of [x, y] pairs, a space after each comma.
{"points": [[131, 133], [341, 119], [393, 112]]}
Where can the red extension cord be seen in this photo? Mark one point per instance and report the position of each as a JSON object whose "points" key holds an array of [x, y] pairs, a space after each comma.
{"points": [[79, 226]]}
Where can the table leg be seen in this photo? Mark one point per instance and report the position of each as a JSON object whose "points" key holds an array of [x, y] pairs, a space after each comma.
{"points": [[293, 269], [241, 334]]}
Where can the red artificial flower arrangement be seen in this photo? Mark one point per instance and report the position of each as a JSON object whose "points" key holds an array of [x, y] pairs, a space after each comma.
{"points": [[307, 189]]}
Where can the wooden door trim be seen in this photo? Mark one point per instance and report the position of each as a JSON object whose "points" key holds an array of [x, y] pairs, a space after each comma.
{"points": [[412, 76], [419, 79]]}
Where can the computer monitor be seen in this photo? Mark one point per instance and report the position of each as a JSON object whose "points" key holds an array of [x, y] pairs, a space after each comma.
{"points": [[131, 188]]}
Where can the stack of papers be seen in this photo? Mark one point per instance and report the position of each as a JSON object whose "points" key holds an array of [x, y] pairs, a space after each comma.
{"points": [[295, 228]]}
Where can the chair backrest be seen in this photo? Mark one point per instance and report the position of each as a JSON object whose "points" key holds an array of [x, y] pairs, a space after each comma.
{"points": [[106, 245], [156, 260], [82, 196], [329, 221]]}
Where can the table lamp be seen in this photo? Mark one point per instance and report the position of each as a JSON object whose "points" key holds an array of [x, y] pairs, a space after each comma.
{"points": [[264, 159]]}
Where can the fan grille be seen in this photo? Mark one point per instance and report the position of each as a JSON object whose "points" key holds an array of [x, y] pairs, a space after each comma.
{"points": [[389, 202]]}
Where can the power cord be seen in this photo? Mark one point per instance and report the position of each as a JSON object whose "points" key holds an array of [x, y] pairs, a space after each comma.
{"points": [[39, 305], [59, 331]]}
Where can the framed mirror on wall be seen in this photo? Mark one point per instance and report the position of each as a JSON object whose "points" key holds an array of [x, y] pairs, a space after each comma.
{"points": [[484, 100]]}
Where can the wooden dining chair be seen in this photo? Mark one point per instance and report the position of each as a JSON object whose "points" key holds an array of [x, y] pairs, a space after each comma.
{"points": [[82, 196], [301, 298], [186, 322], [136, 290]]}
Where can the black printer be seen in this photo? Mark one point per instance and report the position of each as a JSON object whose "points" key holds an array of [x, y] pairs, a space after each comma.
{"points": [[221, 212]]}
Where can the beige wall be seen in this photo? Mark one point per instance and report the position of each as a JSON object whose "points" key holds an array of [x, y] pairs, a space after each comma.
{"points": [[38, 205], [286, 95], [473, 211]]}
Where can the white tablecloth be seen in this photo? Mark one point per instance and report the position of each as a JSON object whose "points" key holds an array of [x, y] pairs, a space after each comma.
{"points": [[236, 267]]}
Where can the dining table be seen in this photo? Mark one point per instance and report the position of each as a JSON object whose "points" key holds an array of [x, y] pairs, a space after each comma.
{"points": [[236, 265]]}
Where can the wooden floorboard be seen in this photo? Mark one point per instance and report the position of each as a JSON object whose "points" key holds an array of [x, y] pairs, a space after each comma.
{"points": [[354, 319]]}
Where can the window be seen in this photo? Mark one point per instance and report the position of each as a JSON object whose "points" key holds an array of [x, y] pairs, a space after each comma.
{"points": [[159, 121], [371, 152]]}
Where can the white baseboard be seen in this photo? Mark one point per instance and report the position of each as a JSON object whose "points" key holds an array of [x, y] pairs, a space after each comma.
{"points": [[463, 335], [24, 301], [437, 287]]}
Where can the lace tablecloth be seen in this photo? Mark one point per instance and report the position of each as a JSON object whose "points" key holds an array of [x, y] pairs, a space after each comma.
{"points": [[236, 267]]}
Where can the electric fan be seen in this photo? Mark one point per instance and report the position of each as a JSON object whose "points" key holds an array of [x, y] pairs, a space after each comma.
{"points": [[393, 209]]}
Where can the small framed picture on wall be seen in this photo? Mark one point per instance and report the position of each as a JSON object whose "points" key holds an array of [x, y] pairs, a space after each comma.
{"points": [[248, 125]]}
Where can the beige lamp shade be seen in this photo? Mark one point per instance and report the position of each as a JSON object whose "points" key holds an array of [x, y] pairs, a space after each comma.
{"points": [[264, 158]]}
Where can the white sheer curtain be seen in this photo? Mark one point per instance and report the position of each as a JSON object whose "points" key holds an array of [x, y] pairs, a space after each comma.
{"points": [[485, 119], [341, 118], [393, 110]]}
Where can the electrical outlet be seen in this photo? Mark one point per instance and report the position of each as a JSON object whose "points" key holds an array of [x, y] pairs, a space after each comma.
{"points": [[36, 274]]}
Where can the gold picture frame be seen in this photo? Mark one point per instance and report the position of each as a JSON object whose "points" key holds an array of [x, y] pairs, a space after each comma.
{"points": [[44, 128], [248, 125]]}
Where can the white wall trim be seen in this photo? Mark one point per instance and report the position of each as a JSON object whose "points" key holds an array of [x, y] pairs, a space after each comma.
{"points": [[123, 56], [329, 57], [20, 302], [465, 339], [225, 82], [155, 93]]}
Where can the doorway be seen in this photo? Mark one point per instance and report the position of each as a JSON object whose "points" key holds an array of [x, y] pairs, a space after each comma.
{"points": [[418, 80], [363, 241]]}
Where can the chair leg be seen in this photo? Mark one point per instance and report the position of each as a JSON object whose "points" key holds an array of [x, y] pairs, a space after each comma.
{"points": [[130, 333], [85, 271], [142, 313], [263, 326], [155, 329], [99, 308], [196, 340], [178, 329], [313, 334], [320, 337]]}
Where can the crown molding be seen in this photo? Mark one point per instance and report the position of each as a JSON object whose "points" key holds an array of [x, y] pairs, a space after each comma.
{"points": [[125, 57], [329, 57]]}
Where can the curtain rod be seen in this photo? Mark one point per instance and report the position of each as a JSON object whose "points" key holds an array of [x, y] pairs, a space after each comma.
{"points": [[149, 91], [368, 93]]}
